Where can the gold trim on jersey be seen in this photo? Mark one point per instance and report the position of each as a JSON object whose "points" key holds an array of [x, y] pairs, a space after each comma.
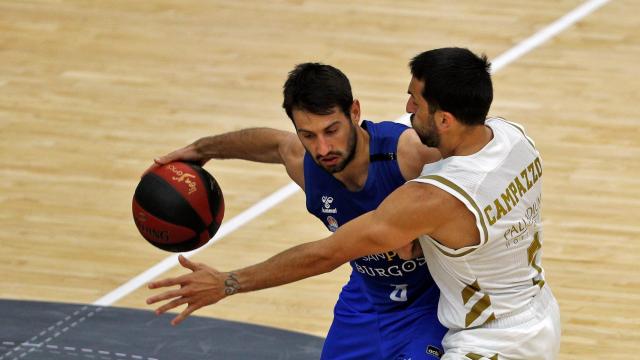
{"points": [[469, 290], [533, 249], [521, 129], [479, 307], [448, 183], [474, 356]]}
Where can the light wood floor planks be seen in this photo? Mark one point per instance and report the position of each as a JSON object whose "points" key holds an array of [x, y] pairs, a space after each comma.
{"points": [[90, 92]]}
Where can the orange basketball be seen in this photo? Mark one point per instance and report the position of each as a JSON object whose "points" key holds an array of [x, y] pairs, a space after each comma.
{"points": [[178, 207]]}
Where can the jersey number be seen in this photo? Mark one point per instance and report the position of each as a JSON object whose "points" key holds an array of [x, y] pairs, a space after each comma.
{"points": [[534, 260], [399, 293]]}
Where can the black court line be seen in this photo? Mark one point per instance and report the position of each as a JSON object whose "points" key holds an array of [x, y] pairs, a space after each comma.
{"points": [[53, 331]]}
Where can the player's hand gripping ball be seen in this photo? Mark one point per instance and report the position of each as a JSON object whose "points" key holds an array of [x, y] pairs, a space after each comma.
{"points": [[178, 206]]}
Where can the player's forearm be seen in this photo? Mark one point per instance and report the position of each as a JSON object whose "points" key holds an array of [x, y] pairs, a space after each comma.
{"points": [[354, 239], [254, 144], [294, 264]]}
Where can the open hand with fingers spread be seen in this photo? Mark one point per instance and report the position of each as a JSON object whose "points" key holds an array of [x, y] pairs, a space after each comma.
{"points": [[203, 286]]}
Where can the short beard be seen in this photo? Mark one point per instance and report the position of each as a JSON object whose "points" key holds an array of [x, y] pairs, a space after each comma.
{"points": [[431, 138], [351, 152]]}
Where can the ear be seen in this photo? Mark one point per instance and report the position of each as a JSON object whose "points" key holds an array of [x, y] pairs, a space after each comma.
{"points": [[355, 112], [445, 120]]}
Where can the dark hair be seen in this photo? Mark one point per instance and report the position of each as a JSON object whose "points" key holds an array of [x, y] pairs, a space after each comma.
{"points": [[317, 88], [457, 81]]}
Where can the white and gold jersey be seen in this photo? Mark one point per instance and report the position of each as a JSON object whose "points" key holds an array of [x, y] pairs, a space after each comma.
{"points": [[501, 186]]}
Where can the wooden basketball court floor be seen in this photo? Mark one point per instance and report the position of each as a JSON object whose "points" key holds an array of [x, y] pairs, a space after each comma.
{"points": [[91, 91]]}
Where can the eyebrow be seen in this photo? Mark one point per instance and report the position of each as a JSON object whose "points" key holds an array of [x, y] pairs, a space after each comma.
{"points": [[326, 127]]}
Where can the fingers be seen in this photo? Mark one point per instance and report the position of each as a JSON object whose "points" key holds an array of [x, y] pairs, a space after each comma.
{"points": [[180, 280], [187, 263], [166, 282], [165, 296], [187, 153], [150, 168], [163, 160], [183, 315], [172, 304], [157, 162]]}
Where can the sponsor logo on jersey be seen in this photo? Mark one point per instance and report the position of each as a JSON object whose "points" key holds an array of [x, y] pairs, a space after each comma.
{"points": [[333, 223], [326, 205], [397, 270], [522, 229], [434, 351], [512, 194]]}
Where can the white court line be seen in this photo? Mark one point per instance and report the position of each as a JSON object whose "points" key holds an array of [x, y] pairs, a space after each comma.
{"points": [[545, 34], [226, 228], [283, 193]]}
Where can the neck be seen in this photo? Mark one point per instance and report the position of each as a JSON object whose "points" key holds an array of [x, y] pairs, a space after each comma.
{"points": [[354, 175], [467, 141]]}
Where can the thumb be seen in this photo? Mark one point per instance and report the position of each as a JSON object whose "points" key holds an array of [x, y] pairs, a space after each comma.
{"points": [[163, 160], [150, 168], [187, 263]]}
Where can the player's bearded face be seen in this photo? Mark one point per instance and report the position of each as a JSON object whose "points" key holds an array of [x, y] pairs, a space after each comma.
{"points": [[336, 160], [422, 114], [330, 139], [427, 130]]}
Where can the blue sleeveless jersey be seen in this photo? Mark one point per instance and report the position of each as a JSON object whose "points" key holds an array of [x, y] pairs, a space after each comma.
{"points": [[379, 282]]}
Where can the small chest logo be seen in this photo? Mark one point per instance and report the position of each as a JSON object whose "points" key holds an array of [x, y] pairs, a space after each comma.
{"points": [[333, 223], [326, 205]]}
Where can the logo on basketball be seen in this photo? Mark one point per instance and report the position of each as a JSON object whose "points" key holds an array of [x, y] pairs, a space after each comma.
{"points": [[141, 216], [151, 232], [184, 177]]}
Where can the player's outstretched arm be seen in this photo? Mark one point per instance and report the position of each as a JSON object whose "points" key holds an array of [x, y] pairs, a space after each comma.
{"points": [[254, 144], [403, 216]]}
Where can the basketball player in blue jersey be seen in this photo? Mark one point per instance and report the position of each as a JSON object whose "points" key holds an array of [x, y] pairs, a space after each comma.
{"points": [[387, 310], [477, 213]]}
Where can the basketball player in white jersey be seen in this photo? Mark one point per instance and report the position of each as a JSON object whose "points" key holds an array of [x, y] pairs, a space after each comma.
{"points": [[477, 213]]}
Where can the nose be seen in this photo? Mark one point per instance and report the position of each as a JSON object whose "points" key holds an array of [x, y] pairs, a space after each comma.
{"points": [[322, 146], [411, 106]]}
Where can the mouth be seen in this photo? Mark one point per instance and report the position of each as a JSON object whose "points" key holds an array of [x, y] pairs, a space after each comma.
{"points": [[329, 160]]}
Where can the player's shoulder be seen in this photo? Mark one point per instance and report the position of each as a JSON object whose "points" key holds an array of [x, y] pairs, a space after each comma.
{"points": [[426, 193], [291, 146], [292, 153], [512, 130], [384, 129], [413, 154]]}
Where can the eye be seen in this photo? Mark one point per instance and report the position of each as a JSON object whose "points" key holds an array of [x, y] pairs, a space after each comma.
{"points": [[331, 130]]}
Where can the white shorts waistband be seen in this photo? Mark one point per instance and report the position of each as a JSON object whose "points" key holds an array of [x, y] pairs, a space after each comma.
{"points": [[537, 307]]}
